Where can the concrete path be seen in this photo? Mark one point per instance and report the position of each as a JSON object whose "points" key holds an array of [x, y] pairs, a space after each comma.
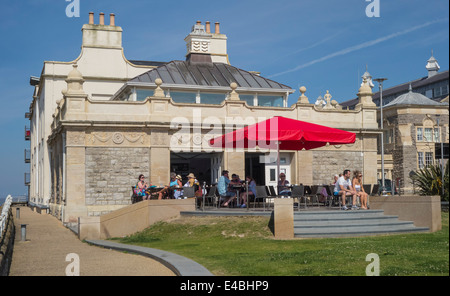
{"points": [[48, 243]]}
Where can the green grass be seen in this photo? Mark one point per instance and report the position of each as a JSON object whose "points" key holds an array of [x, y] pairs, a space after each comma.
{"points": [[245, 246]]}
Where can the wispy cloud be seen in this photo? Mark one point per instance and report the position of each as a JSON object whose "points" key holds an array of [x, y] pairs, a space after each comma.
{"points": [[360, 46]]}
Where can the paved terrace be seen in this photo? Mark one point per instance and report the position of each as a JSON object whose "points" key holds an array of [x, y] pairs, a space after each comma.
{"points": [[48, 243]]}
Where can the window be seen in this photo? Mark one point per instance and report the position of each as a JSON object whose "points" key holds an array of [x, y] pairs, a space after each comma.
{"points": [[183, 97], [437, 91], [141, 94], [428, 158], [420, 163], [437, 137], [419, 134], [248, 98], [210, 98], [270, 101], [428, 134]]}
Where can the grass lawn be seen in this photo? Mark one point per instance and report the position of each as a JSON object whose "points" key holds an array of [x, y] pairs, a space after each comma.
{"points": [[244, 246]]}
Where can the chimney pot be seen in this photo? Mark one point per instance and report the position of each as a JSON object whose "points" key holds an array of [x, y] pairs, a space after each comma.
{"points": [[199, 22], [102, 18], [91, 18], [208, 27], [112, 21], [217, 28]]}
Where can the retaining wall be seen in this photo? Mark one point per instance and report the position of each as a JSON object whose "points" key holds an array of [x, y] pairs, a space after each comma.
{"points": [[6, 245]]}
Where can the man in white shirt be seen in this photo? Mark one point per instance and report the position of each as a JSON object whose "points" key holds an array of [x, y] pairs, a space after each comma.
{"points": [[344, 188]]}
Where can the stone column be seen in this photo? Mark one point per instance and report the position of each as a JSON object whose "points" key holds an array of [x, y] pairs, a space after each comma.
{"points": [[75, 176]]}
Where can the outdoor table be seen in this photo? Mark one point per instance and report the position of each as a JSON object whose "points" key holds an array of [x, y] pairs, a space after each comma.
{"points": [[238, 189]]}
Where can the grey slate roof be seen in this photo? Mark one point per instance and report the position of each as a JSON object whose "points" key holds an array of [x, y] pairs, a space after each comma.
{"points": [[412, 98], [213, 74]]}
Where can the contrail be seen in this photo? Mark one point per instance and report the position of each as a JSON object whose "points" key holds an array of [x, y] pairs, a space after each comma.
{"points": [[359, 46]]}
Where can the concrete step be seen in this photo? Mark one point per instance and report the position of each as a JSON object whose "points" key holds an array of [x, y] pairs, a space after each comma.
{"points": [[350, 223]]}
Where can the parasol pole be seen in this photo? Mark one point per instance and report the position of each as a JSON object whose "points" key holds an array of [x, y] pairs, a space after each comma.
{"points": [[278, 162]]}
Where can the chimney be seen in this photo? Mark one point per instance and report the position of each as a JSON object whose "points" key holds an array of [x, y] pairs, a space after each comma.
{"points": [[91, 18], [217, 31], [203, 46], [101, 35]]}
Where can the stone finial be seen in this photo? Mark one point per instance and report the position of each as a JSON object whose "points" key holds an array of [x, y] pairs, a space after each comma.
{"points": [[303, 99], [74, 82], [365, 87], [234, 96], [365, 95], [159, 92]]}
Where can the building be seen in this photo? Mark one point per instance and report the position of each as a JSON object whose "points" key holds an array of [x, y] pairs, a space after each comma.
{"points": [[415, 118], [99, 121]]}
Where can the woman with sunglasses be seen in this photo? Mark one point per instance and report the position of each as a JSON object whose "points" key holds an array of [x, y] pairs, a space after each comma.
{"points": [[357, 183]]}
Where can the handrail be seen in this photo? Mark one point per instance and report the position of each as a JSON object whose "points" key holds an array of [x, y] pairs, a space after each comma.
{"points": [[4, 214]]}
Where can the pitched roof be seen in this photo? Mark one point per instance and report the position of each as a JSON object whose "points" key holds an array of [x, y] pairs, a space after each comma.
{"points": [[412, 98], [183, 73]]}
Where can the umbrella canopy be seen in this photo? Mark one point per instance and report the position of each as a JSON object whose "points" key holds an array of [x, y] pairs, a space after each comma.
{"points": [[283, 133]]}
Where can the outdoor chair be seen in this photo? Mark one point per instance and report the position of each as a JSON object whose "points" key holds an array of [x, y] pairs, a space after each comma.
{"points": [[299, 193], [261, 193], [211, 196], [271, 191], [375, 189], [188, 192], [314, 194], [332, 199], [367, 188]]}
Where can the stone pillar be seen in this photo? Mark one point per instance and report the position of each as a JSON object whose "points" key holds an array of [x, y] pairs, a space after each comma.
{"points": [[284, 218], [75, 176], [304, 168], [159, 157]]}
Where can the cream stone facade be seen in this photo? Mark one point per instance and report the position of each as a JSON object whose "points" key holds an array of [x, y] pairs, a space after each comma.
{"points": [[94, 137]]}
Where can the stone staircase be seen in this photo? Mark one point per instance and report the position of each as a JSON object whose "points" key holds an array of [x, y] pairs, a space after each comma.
{"points": [[351, 223]]}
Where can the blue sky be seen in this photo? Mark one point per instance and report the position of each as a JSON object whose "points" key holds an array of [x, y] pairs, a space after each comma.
{"points": [[321, 44]]}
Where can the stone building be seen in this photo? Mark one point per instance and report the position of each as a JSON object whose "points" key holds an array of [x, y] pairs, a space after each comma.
{"points": [[412, 125], [107, 120], [415, 118]]}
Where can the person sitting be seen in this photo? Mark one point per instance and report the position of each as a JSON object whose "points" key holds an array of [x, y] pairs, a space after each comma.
{"points": [[359, 188], [283, 186], [251, 191], [174, 186], [141, 187], [193, 182], [223, 188], [344, 188]]}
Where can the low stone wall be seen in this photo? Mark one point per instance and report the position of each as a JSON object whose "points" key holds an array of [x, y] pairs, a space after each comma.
{"points": [[424, 211], [133, 218], [6, 245]]}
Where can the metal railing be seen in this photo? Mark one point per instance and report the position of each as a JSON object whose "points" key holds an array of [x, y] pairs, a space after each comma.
{"points": [[27, 155], [4, 214]]}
